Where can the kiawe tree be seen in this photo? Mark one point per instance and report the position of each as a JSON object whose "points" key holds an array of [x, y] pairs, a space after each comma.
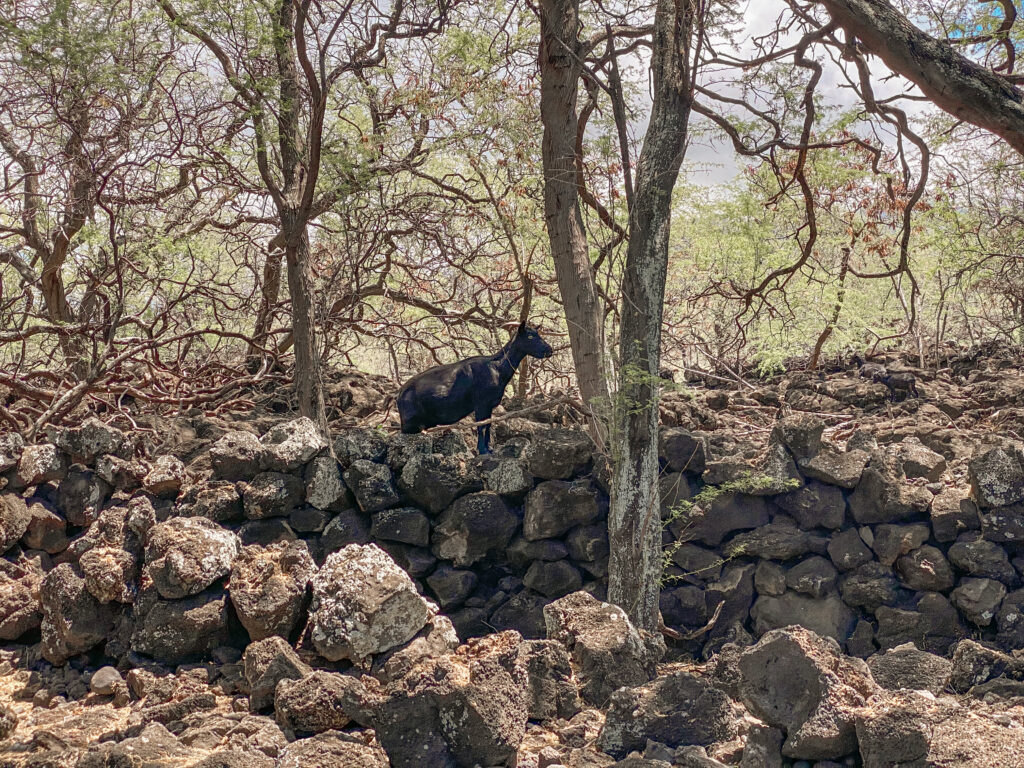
{"points": [[293, 68]]}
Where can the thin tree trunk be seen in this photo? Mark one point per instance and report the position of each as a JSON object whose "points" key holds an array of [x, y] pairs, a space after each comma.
{"points": [[308, 385], [634, 519], [837, 309], [270, 289], [560, 61]]}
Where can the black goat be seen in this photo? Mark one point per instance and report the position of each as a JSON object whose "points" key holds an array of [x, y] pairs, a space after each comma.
{"points": [[446, 393], [874, 371], [903, 381]]}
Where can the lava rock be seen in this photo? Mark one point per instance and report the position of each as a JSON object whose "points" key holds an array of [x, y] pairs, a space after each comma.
{"points": [[472, 527], [794, 680], [14, 519], [551, 689], [73, 620], [559, 454], [827, 616], [40, 464], [359, 444], [952, 513], [675, 710], [466, 708], [322, 701], [219, 501], [892, 541], [905, 666], [407, 525], [997, 476], [882, 497], [434, 481], [185, 555], [452, 586], [835, 467], [978, 599], [265, 664], [237, 456], [728, 512], [815, 505], [774, 541], [372, 485], [165, 478], [553, 579], [174, 631], [80, 495], [848, 550], [289, 445], [271, 494], [268, 587], [870, 586], [363, 604], [926, 569], [683, 451], [607, 651], [556, 506], [324, 487]]}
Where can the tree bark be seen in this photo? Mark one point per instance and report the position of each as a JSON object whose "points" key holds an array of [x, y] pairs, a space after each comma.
{"points": [[560, 66], [634, 519], [308, 384], [953, 82]]}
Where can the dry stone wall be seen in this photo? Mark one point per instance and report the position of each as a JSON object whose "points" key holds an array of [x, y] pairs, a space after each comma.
{"points": [[872, 544]]}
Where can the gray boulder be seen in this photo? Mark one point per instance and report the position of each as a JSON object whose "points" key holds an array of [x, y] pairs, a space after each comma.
{"points": [[265, 664], [433, 481], [290, 445], [953, 513], [11, 446], [237, 456], [323, 701], [997, 476], [978, 599], [559, 454], [332, 749], [73, 620], [324, 487], [472, 527], [174, 631], [556, 506], [271, 494], [80, 495], [185, 555], [835, 467], [551, 688], [363, 604], [675, 710], [165, 478], [607, 651], [40, 464], [463, 709], [14, 519], [815, 505], [372, 485], [268, 587], [827, 616], [794, 680], [905, 666]]}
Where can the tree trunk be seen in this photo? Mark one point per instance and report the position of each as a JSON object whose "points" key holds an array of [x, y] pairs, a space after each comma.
{"points": [[634, 519], [270, 288], [560, 61], [308, 384]]}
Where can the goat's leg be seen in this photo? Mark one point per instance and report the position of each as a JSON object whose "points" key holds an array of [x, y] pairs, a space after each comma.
{"points": [[483, 433]]}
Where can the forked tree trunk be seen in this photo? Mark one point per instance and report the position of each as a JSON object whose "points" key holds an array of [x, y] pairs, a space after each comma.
{"points": [[634, 519], [560, 61]]}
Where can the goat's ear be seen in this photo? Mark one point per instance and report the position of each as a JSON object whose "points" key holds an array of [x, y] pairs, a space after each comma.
{"points": [[522, 327]]}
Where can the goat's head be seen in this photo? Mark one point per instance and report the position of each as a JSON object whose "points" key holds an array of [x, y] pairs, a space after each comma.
{"points": [[528, 340]]}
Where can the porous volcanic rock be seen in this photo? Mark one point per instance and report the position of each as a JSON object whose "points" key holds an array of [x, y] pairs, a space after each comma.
{"points": [[73, 620], [795, 680], [606, 650], [185, 555], [463, 709], [268, 587], [363, 604], [675, 710]]}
